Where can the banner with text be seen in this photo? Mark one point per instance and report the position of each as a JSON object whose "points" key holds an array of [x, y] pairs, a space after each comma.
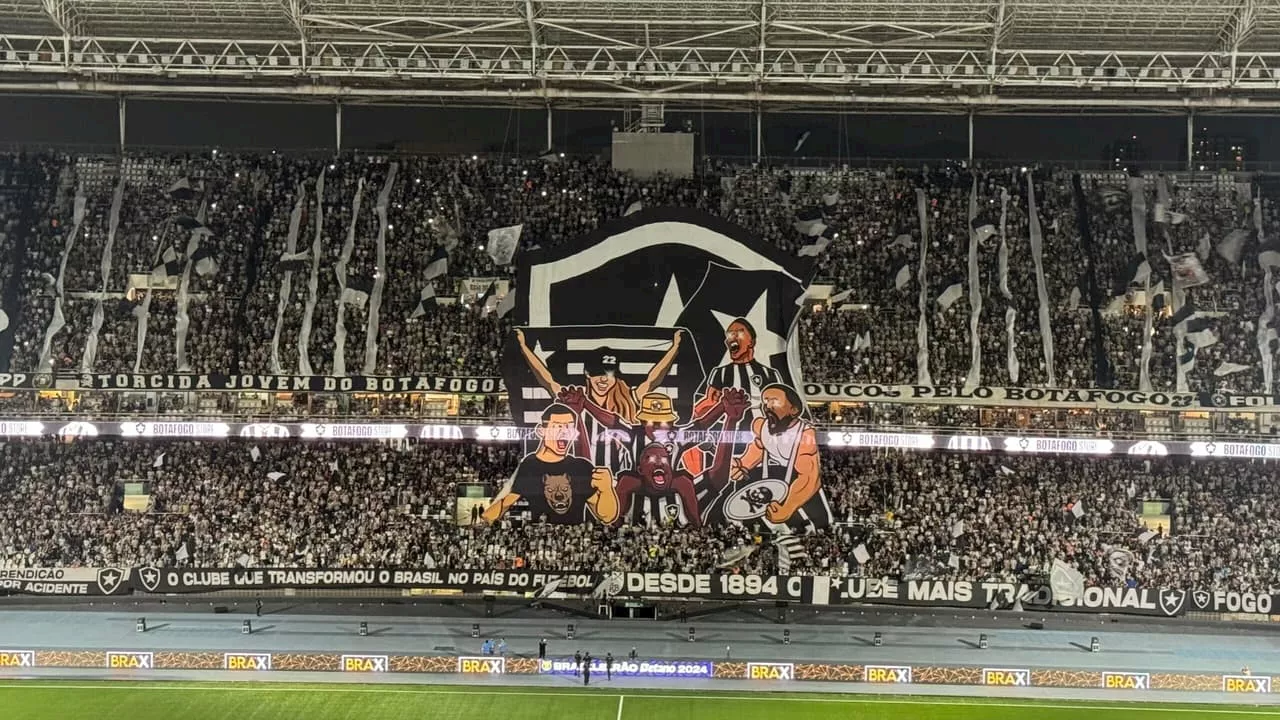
{"points": [[171, 382], [1064, 398], [65, 581], [807, 590], [170, 580]]}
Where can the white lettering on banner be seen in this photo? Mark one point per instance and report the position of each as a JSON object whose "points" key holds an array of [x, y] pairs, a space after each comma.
{"points": [[1080, 446], [879, 440], [353, 431], [288, 383], [1036, 397], [870, 589], [1238, 602], [13, 380], [837, 438], [49, 581], [499, 433], [1235, 449], [21, 429], [685, 584], [939, 591], [175, 429]]}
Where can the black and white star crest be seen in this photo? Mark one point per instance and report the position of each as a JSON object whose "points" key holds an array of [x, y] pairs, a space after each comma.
{"points": [[1201, 599], [1171, 601], [150, 578], [109, 580], [647, 274]]}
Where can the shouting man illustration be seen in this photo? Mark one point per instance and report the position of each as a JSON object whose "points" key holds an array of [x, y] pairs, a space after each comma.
{"points": [[563, 489]]}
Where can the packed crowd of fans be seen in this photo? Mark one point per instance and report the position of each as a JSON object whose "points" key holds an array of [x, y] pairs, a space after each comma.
{"points": [[249, 314], [916, 514]]}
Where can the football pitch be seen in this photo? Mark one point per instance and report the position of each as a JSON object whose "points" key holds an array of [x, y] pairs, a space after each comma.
{"points": [[72, 700]]}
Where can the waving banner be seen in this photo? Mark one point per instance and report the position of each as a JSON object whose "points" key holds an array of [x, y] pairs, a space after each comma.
{"points": [[656, 363]]}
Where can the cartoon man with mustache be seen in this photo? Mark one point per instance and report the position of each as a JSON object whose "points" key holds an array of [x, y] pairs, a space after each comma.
{"points": [[558, 487], [785, 448]]}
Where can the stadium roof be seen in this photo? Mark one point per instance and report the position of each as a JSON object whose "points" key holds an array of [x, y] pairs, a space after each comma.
{"points": [[940, 54]]}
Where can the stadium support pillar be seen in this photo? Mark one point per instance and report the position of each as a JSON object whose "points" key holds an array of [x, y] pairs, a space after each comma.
{"points": [[121, 110], [1191, 136], [337, 126], [549, 133], [970, 138], [759, 134]]}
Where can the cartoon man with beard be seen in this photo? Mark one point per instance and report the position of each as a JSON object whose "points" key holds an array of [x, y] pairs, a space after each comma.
{"points": [[563, 489], [785, 451]]}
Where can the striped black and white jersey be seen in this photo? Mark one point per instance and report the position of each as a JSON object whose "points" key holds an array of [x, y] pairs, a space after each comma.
{"points": [[779, 462], [750, 377], [656, 511], [609, 448]]}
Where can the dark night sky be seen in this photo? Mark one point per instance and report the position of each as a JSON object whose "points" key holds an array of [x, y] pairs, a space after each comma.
{"points": [[86, 122]]}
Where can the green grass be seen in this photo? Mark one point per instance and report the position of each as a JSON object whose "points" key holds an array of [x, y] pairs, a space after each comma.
{"points": [[114, 700]]}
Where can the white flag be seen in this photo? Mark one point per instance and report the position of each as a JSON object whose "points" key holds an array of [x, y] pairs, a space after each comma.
{"points": [[1147, 536], [862, 342], [861, 555], [503, 243], [1066, 582], [903, 278], [182, 553], [812, 228], [158, 462], [1203, 339], [255, 453], [950, 295], [1077, 508], [957, 529], [275, 475], [839, 297], [1228, 368], [633, 208], [1073, 301]]}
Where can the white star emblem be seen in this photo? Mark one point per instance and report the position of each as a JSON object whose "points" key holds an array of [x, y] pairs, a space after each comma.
{"points": [[671, 307], [542, 354]]}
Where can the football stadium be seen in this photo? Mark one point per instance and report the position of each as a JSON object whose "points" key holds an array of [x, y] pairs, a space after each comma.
{"points": [[724, 360]]}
